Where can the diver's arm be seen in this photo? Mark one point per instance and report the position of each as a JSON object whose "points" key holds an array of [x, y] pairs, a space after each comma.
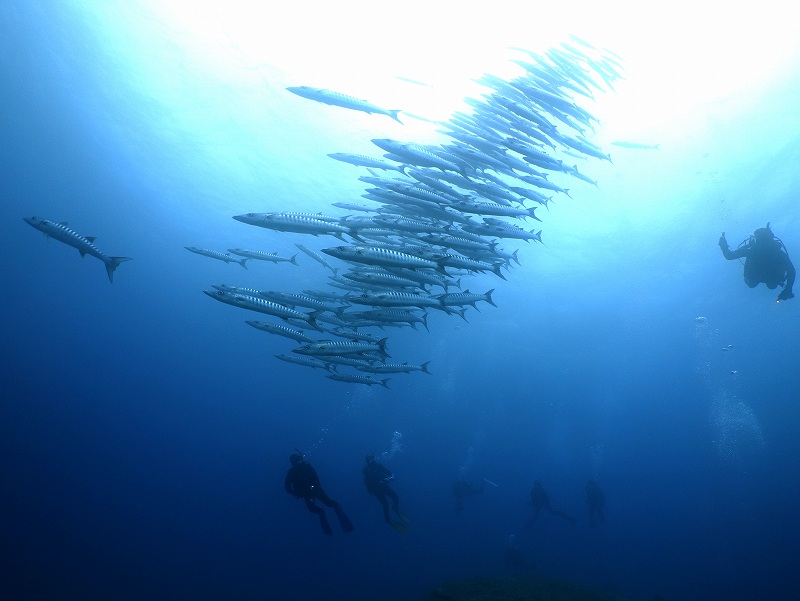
{"points": [[729, 254]]}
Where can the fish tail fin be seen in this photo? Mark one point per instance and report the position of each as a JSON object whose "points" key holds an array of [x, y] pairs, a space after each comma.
{"points": [[312, 320], [424, 367], [425, 321], [243, 262], [514, 256], [393, 114], [497, 272], [385, 382], [112, 264], [293, 260], [382, 345], [488, 297]]}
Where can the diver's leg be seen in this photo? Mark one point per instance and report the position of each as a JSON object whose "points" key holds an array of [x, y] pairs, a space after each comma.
{"points": [[395, 500], [344, 521], [385, 504], [323, 520]]}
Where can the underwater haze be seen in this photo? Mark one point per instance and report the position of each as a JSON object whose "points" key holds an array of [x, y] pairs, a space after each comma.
{"points": [[146, 430]]}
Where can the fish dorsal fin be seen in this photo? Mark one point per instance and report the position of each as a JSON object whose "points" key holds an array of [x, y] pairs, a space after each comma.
{"points": [[64, 223], [91, 239]]}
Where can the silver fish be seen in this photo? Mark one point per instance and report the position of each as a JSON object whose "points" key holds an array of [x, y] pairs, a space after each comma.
{"points": [[343, 100], [84, 244], [217, 255], [358, 379], [263, 256]]}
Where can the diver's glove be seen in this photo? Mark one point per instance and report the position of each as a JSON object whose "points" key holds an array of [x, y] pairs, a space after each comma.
{"points": [[723, 243], [785, 295]]}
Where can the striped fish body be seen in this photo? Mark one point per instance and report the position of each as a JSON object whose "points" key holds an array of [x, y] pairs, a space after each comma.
{"points": [[361, 160], [382, 279], [351, 379], [260, 305], [342, 100], [213, 254], [338, 347], [493, 208], [236, 289], [84, 244], [458, 299], [349, 361], [393, 368], [373, 255], [360, 336], [397, 299], [299, 300], [299, 224], [305, 361], [280, 330], [263, 256]]}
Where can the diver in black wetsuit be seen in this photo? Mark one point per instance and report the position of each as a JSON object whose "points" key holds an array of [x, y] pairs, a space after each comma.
{"points": [[766, 261], [376, 478], [541, 500], [595, 501], [302, 482], [463, 488]]}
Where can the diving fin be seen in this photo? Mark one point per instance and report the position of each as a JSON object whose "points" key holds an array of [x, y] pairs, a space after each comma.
{"points": [[344, 521], [399, 526]]}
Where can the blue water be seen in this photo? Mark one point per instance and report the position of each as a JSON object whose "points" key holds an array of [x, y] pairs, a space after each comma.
{"points": [[145, 430]]}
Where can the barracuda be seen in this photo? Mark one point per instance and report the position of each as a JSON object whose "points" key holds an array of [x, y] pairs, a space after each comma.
{"points": [[459, 299], [263, 256], [342, 100], [371, 255], [299, 224], [338, 347], [394, 368], [306, 361], [262, 306], [300, 300], [217, 255], [350, 379], [397, 299], [280, 330], [382, 279], [317, 257], [84, 245], [361, 160]]}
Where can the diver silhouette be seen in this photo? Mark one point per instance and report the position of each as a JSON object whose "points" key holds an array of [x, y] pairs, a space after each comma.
{"points": [[595, 502], [464, 488], [541, 500], [302, 482], [376, 479], [766, 261]]}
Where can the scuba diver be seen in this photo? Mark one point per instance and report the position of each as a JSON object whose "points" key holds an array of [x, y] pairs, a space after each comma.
{"points": [[541, 500], [302, 482], [765, 261], [464, 488], [596, 501], [376, 478]]}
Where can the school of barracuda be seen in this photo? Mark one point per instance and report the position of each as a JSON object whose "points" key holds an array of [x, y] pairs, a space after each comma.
{"points": [[436, 215]]}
